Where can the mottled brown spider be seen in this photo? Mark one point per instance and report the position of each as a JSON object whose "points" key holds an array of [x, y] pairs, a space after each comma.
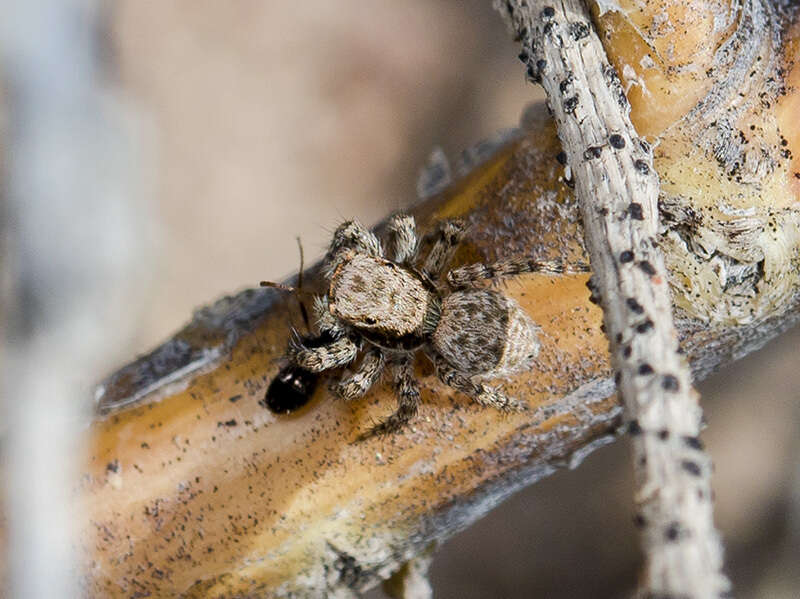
{"points": [[393, 307]]}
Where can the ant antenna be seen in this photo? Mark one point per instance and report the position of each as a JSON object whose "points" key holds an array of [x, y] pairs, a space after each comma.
{"points": [[290, 289], [300, 285], [274, 285]]}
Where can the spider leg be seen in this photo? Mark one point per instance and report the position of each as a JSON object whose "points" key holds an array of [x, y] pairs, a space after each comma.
{"points": [[407, 391], [449, 234], [470, 275], [404, 238], [326, 322], [350, 236], [366, 375], [338, 352], [486, 396]]}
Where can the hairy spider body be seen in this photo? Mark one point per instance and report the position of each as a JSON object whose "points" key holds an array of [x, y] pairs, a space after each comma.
{"points": [[482, 331], [388, 308], [387, 303]]}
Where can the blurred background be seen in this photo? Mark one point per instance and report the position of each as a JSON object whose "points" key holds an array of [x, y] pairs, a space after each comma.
{"points": [[244, 124]]}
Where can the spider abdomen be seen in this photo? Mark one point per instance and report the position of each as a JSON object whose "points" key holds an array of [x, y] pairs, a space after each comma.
{"points": [[482, 332]]}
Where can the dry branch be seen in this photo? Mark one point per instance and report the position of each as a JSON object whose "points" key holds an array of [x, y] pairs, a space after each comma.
{"points": [[617, 190], [205, 493], [193, 489]]}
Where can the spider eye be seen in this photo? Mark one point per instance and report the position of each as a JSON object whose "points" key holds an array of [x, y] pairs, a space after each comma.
{"points": [[369, 321]]}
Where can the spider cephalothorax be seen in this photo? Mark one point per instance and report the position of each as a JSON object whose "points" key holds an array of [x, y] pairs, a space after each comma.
{"points": [[390, 307]]}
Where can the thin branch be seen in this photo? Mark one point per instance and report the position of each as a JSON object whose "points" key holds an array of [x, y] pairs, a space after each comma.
{"points": [[72, 253], [617, 190]]}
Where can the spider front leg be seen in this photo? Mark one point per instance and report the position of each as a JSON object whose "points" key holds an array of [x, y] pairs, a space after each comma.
{"points": [[350, 236], [366, 375], [448, 235], [353, 235], [470, 275], [486, 396], [338, 352], [404, 238], [326, 322], [407, 391]]}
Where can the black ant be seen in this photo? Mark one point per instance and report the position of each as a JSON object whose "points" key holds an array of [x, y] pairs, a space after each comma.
{"points": [[293, 386]]}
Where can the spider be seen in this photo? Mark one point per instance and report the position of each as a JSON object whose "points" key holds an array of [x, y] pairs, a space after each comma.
{"points": [[389, 308]]}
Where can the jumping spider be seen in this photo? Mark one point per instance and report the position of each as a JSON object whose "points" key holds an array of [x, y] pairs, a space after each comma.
{"points": [[392, 307]]}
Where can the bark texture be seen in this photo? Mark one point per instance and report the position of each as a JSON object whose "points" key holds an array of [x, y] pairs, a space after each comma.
{"points": [[193, 489], [617, 190]]}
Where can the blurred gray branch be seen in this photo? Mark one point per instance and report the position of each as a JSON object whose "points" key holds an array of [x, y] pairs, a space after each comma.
{"points": [[73, 246]]}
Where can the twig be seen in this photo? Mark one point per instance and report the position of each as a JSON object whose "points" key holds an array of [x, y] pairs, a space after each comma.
{"points": [[618, 190], [73, 254]]}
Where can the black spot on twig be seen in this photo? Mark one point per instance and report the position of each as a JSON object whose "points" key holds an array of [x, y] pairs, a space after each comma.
{"points": [[634, 306], [570, 104], [635, 210], [566, 83], [593, 152], [670, 383], [578, 31], [647, 268], [691, 467], [617, 141], [672, 532], [694, 443]]}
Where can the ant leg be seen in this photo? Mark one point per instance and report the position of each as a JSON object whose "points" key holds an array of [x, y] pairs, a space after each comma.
{"points": [[366, 375], [303, 310], [407, 391], [467, 276]]}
